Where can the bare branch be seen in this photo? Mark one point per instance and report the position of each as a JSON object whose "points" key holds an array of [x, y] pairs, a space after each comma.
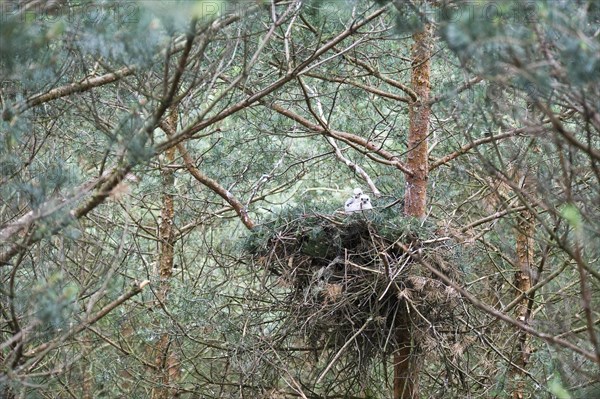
{"points": [[105, 184], [474, 144], [259, 95], [373, 90], [320, 116], [86, 84], [210, 183], [42, 350], [499, 314]]}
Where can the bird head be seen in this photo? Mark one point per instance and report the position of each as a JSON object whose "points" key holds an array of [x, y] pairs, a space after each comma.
{"points": [[357, 192]]}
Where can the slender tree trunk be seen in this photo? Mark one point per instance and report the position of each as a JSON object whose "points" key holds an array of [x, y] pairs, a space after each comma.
{"points": [[166, 361], [87, 385], [523, 282], [415, 195], [406, 363]]}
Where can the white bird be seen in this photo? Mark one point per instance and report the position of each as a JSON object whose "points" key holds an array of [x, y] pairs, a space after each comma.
{"points": [[352, 204], [365, 202], [357, 202]]}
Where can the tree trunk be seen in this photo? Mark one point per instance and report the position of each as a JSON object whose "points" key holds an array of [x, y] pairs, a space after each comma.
{"points": [[87, 383], [416, 182], [166, 362], [523, 282], [406, 364], [526, 229]]}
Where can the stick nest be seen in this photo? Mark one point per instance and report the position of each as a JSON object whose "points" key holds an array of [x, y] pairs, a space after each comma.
{"points": [[358, 278]]}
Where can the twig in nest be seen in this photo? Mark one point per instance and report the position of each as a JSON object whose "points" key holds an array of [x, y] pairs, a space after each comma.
{"points": [[339, 353]]}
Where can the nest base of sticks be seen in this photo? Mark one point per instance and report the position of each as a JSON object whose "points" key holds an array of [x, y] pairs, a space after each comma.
{"points": [[352, 283]]}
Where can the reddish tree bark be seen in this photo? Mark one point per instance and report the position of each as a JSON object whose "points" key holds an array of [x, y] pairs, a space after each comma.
{"points": [[406, 364], [416, 181], [523, 282], [166, 362]]}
